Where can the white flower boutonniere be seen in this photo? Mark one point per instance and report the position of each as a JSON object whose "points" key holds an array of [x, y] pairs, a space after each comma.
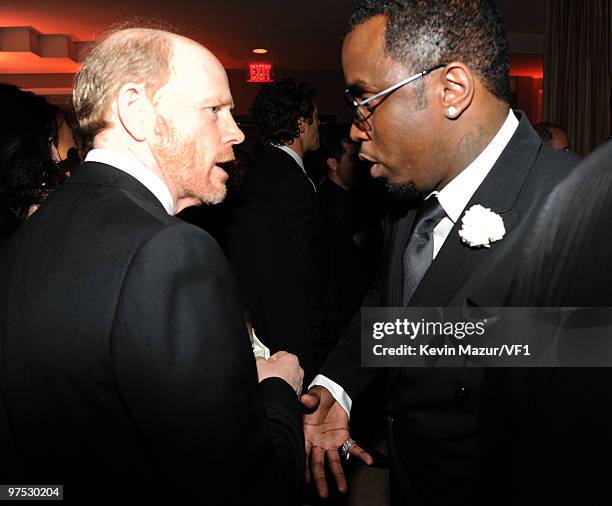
{"points": [[480, 227]]}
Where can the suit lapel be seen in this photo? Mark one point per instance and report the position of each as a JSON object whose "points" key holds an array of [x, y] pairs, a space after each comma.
{"points": [[291, 164], [454, 264]]}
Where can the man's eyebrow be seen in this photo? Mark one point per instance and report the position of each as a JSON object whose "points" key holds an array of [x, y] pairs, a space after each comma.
{"points": [[215, 102]]}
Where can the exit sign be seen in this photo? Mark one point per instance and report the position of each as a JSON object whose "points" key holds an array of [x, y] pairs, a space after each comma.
{"points": [[260, 73]]}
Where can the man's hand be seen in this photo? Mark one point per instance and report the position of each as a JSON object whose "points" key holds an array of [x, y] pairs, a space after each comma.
{"points": [[281, 365], [325, 429]]}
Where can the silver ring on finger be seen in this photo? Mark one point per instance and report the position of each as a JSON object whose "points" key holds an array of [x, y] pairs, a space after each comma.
{"points": [[346, 446]]}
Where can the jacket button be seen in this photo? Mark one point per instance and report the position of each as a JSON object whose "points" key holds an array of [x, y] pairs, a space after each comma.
{"points": [[462, 394]]}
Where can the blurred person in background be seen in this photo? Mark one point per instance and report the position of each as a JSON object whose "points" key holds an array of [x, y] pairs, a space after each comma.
{"points": [[281, 256], [29, 157], [239, 168], [553, 135], [345, 233]]}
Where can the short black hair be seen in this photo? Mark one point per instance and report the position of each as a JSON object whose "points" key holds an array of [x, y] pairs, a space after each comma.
{"points": [[333, 143], [28, 125], [424, 33], [277, 108], [544, 130]]}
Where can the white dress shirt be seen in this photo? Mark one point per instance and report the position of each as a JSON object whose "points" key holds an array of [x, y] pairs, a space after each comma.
{"points": [[298, 160], [453, 198], [127, 163]]}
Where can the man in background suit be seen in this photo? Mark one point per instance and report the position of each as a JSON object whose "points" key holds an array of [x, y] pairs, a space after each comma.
{"points": [[347, 236], [554, 136], [429, 92], [126, 367], [281, 258]]}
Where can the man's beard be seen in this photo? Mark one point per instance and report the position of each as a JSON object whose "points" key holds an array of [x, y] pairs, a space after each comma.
{"points": [[176, 157], [404, 191]]}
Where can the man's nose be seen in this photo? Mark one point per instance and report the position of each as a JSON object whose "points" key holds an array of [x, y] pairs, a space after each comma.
{"points": [[358, 135], [234, 134]]}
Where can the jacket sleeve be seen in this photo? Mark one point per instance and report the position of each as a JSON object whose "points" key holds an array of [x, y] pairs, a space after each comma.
{"points": [[343, 365], [185, 369]]}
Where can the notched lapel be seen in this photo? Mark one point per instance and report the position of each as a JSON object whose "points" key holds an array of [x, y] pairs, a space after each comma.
{"points": [[454, 264]]}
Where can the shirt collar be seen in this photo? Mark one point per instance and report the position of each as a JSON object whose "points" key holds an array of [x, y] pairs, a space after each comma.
{"points": [[137, 170], [298, 160], [293, 154], [455, 195]]}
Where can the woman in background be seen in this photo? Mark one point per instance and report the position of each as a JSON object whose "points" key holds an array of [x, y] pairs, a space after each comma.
{"points": [[29, 128]]}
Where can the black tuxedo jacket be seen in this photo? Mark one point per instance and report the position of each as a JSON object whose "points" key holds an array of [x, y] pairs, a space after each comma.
{"points": [[433, 414], [282, 259], [125, 361]]}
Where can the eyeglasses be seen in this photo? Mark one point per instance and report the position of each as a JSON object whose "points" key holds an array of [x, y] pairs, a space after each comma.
{"points": [[359, 108]]}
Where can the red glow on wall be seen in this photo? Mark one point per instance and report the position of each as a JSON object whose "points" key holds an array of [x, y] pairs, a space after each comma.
{"points": [[29, 63], [527, 65], [260, 73]]}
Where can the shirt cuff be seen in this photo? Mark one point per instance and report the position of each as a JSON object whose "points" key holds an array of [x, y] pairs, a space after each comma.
{"points": [[336, 390]]}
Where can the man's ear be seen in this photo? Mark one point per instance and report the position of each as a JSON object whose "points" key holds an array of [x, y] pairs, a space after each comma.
{"points": [[135, 111], [332, 163], [302, 125], [458, 89]]}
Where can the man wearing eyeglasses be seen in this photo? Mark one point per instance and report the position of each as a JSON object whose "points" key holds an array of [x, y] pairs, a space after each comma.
{"points": [[428, 90]]}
